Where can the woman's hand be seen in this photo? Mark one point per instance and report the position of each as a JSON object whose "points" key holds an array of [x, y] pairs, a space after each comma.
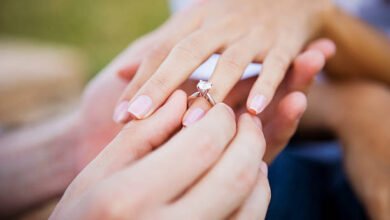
{"points": [[281, 118], [211, 170], [267, 31]]}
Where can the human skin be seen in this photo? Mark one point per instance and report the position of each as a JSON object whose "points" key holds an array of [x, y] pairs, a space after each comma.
{"points": [[63, 147], [362, 51], [357, 113], [259, 33], [212, 170], [242, 31], [282, 116]]}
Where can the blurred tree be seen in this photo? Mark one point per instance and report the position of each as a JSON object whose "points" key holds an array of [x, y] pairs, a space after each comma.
{"points": [[100, 28]]}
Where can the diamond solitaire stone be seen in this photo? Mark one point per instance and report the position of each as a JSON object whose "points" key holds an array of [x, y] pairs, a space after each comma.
{"points": [[204, 86]]}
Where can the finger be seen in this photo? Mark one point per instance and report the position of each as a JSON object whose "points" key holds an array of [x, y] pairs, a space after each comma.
{"points": [[299, 78], [274, 69], [228, 72], [286, 119], [224, 188], [187, 21], [256, 205], [309, 63], [137, 138], [147, 68], [182, 160], [305, 68], [162, 41], [133, 55], [184, 58], [326, 46]]}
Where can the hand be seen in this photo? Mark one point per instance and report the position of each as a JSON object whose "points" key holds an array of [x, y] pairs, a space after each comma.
{"points": [[95, 127], [271, 32], [363, 109], [207, 171], [281, 118]]}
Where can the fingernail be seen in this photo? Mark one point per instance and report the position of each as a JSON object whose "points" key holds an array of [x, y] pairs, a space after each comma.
{"points": [[264, 168], [193, 116], [257, 104], [120, 113], [140, 106]]}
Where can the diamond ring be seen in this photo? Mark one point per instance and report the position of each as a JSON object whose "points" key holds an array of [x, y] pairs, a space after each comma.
{"points": [[203, 92]]}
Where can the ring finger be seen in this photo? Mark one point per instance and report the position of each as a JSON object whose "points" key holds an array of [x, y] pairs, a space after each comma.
{"points": [[228, 72]]}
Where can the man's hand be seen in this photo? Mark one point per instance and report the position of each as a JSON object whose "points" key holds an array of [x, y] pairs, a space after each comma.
{"points": [[212, 170], [358, 113], [282, 117]]}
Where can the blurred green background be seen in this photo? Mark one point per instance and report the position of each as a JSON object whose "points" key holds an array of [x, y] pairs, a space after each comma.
{"points": [[99, 28]]}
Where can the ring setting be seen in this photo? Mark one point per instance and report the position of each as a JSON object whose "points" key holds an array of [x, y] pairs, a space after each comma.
{"points": [[203, 92]]}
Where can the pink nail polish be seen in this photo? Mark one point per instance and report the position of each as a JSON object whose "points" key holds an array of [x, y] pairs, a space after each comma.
{"points": [[140, 106], [193, 116], [257, 104], [121, 114]]}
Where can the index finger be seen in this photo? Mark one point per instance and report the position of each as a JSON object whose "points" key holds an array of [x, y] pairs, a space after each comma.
{"points": [[184, 58], [182, 160]]}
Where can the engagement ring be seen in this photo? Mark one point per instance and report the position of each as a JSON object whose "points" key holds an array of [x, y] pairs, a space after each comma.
{"points": [[203, 92]]}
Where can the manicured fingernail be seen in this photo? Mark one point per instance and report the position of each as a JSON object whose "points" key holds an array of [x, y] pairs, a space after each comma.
{"points": [[264, 168], [193, 116], [121, 114], [140, 106], [257, 104]]}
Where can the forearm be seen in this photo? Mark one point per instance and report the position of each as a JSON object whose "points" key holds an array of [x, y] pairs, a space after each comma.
{"points": [[362, 51], [36, 164]]}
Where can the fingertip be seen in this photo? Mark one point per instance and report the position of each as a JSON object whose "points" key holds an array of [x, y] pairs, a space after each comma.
{"points": [[179, 99], [256, 104], [294, 105], [121, 115], [195, 112], [326, 46], [252, 119], [312, 61], [127, 72], [228, 108], [306, 66], [264, 168], [180, 95]]}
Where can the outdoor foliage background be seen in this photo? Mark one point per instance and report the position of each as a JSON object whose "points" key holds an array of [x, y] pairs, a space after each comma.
{"points": [[99, 28]]}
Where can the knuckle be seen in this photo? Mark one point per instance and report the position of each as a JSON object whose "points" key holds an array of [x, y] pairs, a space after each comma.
{"points": [[224, 116], [233, 62], [187, 49], [160, 84], [208, 150], [158, 52], [280, 62], [112, 203], [108, 205], [244, 179]]}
